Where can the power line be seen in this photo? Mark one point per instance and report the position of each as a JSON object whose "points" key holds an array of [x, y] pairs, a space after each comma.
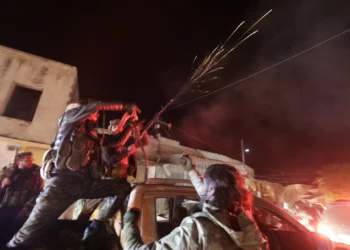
{"points": [[300, 173], [260, 177], [261, 71], [281, 179]]}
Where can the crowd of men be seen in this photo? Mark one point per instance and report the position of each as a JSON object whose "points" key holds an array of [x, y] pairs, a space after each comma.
{"points": [[87, 166]]}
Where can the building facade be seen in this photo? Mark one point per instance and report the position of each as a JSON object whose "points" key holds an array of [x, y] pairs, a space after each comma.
{"points": [[34, 92]]}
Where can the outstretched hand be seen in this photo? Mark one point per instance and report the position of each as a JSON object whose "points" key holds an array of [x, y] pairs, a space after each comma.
{"points": [[187, 163], [131, 216]]}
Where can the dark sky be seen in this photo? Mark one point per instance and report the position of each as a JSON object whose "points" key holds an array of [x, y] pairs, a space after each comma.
{"points": [[294, 117]]}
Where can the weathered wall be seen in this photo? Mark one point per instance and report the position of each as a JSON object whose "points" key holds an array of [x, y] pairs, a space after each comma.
{"points": [[37, 149], [57, 81]]}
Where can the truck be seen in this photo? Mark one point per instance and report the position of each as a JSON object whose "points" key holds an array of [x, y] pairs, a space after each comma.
{"points": [[163, 204]]}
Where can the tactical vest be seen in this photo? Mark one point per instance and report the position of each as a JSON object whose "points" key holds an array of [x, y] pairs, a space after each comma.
{"points": [[76, 152], [17, 197], [14, 197]]}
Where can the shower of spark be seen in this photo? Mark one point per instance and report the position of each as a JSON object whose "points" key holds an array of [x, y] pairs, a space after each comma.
{"points": [[210, 63], [203, 73]]}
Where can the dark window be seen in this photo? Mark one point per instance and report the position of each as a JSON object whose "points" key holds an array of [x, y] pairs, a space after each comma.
{"points": [[23, 103], [272, 221], [171, 211]]}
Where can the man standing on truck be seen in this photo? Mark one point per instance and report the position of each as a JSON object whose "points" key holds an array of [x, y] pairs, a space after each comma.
{"points": [[118, 149], [226, 221], [118, 157], [75, 147]]}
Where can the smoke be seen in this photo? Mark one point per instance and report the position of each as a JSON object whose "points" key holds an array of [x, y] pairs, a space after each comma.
{"points": [[295, 114]]}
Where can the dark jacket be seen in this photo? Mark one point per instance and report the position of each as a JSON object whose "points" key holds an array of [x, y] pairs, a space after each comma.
{"points": [[25, 186], [71, 118]]}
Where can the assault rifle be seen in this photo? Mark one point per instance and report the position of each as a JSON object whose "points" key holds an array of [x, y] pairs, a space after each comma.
{"points": [[151, 123]]}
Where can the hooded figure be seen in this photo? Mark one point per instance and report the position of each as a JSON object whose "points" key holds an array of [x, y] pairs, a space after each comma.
{"points": [[226, 221]]}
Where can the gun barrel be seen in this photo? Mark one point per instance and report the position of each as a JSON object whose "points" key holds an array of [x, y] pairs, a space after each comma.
{"points": [[156, 117]]}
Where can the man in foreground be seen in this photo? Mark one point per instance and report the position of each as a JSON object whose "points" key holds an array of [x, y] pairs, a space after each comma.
{"points": [[225, 222], [75, 147]]}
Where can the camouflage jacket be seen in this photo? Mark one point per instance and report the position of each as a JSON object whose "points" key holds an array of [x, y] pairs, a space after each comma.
{"points": [[25, 186], [209, 229]]}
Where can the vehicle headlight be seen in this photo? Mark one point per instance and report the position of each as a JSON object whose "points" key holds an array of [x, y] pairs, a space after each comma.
{"points": [[344, 238], [327, 231]]}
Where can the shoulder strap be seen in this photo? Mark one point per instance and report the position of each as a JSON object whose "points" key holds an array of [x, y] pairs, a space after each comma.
{"points": [[201, 214], [204, 215], [54, 140]]}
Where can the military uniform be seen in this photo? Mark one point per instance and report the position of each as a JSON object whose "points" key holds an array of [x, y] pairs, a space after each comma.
{"points": [[118, 160], [18, 198], [209, 229], [75, 145]]}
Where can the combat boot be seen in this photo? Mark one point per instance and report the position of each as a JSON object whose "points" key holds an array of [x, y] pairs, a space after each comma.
{"points": [[95, 235]]}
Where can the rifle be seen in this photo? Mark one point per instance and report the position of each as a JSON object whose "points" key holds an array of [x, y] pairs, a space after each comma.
{"points": [[147, 127], [155, 118]]}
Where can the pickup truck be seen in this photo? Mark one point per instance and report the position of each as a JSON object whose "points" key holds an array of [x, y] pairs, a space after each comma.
{"points": [[165, 202]]}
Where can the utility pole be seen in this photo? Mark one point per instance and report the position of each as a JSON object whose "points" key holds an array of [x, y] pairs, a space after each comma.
{"points": [[242, 151]]}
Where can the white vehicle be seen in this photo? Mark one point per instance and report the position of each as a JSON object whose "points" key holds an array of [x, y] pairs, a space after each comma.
{"points": [[165, 202]]}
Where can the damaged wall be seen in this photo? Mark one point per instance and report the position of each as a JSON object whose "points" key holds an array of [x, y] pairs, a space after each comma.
{"points": [[54, 83]]}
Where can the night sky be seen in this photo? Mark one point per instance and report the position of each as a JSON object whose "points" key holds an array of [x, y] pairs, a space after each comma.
{"points": [[294, 117]]}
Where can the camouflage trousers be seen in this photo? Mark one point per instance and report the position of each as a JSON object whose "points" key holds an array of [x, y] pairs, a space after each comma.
{"points": [[84, 208], [59, 193]]}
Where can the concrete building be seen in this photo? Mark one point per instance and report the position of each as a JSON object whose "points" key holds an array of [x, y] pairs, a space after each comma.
{"points": [[34, 92]]}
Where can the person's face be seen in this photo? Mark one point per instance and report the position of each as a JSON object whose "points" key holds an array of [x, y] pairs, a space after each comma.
{"points": [[114, 128], [26, 162], [208, 189]]}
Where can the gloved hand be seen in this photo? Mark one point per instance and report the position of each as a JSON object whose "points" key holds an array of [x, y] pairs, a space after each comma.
{"points": [[131, 216], [187, 163], [131, 149]]}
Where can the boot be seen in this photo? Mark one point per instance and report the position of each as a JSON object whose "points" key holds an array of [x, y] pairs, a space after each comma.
{"points": [[95, 235]]}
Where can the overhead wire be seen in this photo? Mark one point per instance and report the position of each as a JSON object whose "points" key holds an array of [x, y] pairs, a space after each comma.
{"points": [[260, 177], [200, 141], [261, 71], [294, 172]]}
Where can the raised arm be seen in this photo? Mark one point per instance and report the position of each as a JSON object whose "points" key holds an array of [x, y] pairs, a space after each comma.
{"points": [[84, 111], [196, 179]]}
